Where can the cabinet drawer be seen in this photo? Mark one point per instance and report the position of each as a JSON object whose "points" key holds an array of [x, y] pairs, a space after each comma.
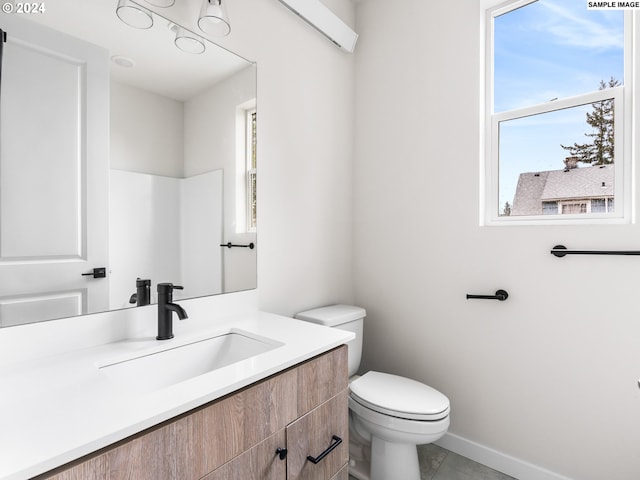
{"points": [[227, 428], [258, 463], [321, 378], [313, 434]]}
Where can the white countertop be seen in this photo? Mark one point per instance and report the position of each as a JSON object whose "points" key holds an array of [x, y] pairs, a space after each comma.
{"points": [[57, 408]]}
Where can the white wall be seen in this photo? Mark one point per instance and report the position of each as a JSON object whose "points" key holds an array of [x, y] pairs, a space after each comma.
{"points": [[550, 375], [146, 132], [305, 151]]}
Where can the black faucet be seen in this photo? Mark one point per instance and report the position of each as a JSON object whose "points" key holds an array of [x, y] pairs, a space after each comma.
{"points": [[143, 292], [165, 309]]}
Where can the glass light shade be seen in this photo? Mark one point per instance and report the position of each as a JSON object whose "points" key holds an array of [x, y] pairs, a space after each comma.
{"points": [[187, 42], [161, 3], [134, 15], [214, 19]]}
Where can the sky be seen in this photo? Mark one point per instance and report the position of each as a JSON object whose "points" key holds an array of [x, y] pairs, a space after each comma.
{"points": [[545, 50]]}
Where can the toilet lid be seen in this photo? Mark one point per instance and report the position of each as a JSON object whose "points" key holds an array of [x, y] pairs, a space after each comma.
{"points": [[399, 397]]}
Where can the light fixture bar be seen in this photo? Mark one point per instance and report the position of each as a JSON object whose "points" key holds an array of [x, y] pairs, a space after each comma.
{"points": [[325, 21]]}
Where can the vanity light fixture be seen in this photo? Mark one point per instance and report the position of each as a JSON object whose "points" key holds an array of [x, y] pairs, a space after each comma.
{"points": [[187, 41], [214, 19], [134, 15]]}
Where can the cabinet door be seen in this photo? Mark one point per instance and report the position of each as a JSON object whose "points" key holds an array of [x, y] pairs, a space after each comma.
{"points": [[258, 463], [343, 474], [313, 434]]}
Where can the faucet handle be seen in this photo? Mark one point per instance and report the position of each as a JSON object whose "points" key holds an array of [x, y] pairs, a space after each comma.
{"points": [[165, 288]]}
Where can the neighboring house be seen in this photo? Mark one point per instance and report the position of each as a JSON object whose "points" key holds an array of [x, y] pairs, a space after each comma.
{"points": [[572, 190]]}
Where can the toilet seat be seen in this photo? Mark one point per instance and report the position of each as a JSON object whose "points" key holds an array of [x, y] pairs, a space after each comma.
{"points": [[399, 397]]}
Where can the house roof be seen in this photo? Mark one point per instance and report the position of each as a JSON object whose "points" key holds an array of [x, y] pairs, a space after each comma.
{"points": [[586, 182], [575, 183], [528, 193]]}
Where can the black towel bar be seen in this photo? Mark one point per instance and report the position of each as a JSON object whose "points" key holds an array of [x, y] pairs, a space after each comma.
{"points": [[560, 251], [230, 245]]}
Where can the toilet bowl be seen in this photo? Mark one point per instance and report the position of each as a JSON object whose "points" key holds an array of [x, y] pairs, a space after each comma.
{"points": [[396, 414], [389, 415]]}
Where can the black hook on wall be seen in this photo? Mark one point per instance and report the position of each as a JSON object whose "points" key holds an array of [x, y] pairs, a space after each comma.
{"points": [[501, 295], [3, 40]]}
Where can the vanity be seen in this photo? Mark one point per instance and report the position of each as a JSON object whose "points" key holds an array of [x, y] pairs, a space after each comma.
{"points": [[264, 431], [259, 417]]}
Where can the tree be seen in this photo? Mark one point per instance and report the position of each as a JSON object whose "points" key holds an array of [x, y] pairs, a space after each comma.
{"points": [[600, 150], [506, 210]]}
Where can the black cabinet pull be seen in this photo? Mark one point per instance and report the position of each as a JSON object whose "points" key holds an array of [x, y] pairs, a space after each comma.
{"points": [[281, 452], [100, 272], [336, 440]]}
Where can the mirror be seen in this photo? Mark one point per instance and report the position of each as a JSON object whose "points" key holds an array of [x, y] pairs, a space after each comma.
{"points": [[122, 157]]}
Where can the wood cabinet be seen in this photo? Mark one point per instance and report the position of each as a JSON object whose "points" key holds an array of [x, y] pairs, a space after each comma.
{"points": [[236, 437]]}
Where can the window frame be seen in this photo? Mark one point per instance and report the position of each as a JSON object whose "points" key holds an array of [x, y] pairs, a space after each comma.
{"points": [[623, 97], [245, 222], [251, 169]]}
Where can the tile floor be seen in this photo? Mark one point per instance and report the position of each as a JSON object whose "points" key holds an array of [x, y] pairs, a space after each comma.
{"points": [[436, 463]]}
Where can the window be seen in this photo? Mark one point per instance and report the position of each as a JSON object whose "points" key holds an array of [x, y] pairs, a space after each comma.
{"points": [[251, 166], [570, 207], [557, 112], [246, 196]]}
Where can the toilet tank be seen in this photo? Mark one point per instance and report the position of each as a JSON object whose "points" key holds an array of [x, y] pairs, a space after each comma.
{"points": [[343, 317]]}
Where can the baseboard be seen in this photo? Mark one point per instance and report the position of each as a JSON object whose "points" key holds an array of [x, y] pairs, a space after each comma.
{"points": [[497, 460]]}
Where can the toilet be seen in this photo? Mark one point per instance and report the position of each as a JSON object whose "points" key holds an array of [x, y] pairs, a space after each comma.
{"points": [[389, 415]]}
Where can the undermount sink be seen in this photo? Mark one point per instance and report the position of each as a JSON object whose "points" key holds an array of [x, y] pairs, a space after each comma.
{"points": [[160, 369]]}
